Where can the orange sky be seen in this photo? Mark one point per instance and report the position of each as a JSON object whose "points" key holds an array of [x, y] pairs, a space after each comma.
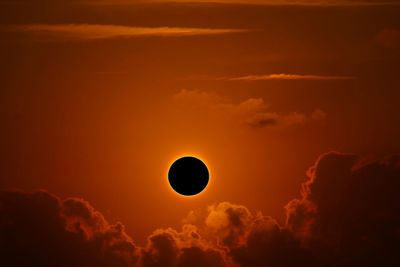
{"points": [[98, 99]]}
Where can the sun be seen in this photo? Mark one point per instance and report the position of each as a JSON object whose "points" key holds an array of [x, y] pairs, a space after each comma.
{"points": [[188, 176]]}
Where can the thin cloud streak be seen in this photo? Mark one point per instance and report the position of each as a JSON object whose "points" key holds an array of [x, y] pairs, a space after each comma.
{"points": [[250, 2], [280, 76], [283, 76], [87, 32]]}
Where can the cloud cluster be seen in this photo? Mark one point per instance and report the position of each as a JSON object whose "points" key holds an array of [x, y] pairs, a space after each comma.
{"points": [[348, 215], [39, 229], [253, 112]]}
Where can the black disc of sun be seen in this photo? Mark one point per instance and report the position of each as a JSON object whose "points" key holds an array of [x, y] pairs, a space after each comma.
{"points": [[188, 176]]}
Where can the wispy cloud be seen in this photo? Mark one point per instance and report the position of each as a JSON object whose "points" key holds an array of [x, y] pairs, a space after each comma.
{"points": [[316, 3], [280, 76], [321, 3], [86, 32], [253, 112], [283, 76]]}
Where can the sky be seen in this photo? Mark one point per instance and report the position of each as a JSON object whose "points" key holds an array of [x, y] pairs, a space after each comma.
{"points": [[292, 105]]}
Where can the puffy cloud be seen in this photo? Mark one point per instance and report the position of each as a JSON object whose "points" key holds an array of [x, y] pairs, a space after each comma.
{"points": [[162, 250], [228, 223], [348, 215], [253, 112], [268, 244], [196, 257], [349, 210], [187, 248], [39, 229]]}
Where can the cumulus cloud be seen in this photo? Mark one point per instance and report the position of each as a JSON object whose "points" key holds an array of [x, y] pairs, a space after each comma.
{"points": [[348, 215], [88, 32], [349, 210], [40, 229], [187, 248], [253, 112]]}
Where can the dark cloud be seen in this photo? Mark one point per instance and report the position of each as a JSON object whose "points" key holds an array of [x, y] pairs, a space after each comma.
{"points": [[186, 248], [350, 211], [38, 229], [162, 250], [196, 257], [348, 215], [270, 245]]}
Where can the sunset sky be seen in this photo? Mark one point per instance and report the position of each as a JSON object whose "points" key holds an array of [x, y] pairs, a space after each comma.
{"points": [[98, 98]]}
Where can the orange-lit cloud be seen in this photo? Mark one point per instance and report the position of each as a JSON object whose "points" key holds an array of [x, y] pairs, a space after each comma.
{"points": [[280, 76], [348, 215], [252, 112], [283, 76], [87, 32], [321, 3]]}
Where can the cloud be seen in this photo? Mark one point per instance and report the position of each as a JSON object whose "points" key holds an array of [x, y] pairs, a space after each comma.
{"points": [[322, 3], [228, 223], [281, 76], [389, 38], [253, 112], [314, 3], [171, 248], [349, 210], [291, 2], [40, 229], [288, 77], [88, 32], [348, 215]]}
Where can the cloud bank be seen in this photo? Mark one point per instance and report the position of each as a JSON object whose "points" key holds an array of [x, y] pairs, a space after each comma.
{"points": [[348, 215]]}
